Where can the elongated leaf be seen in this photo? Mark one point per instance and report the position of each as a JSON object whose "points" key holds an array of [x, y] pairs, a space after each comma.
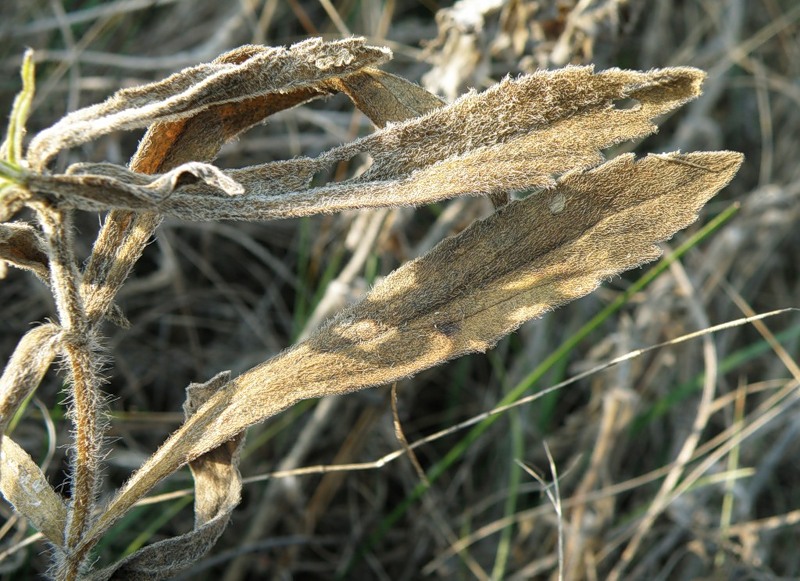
{"points": [[529, 257], [247, 72], [518, 135], [200, 134]]}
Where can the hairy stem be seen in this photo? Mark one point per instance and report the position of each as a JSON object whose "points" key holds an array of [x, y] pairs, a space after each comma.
{"points": [[88, 435], [86, 400]]}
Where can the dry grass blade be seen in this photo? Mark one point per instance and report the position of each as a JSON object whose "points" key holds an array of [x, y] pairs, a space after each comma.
{"points": [[247, 72], [516, 136], [472, 289]]}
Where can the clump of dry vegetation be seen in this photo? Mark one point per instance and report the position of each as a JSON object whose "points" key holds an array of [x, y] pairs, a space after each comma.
{"points": [[528, 215]]}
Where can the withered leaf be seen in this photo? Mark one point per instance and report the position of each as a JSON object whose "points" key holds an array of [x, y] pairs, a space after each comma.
{"points": [[26, 488], [199, 136], [386, 98], [218, 486], [21, 246], [167, 144], [141, 186], [528, 258], [518, 135], [247, 72], [25, 369]]}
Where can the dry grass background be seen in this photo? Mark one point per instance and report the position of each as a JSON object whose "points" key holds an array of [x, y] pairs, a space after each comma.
{"points": [[213, 296]]}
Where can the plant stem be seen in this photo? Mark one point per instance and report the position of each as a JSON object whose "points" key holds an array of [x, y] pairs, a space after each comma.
{"points": [[77, 346]]}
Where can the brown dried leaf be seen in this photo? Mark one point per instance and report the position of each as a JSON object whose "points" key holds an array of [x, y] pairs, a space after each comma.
{"points": [[165, 145], [218, 487], [249, 72], [21, 246], [386, 98], [25, 369], [26, 488], [515, 136], [528, 258], [22, 481], [168, 144]]}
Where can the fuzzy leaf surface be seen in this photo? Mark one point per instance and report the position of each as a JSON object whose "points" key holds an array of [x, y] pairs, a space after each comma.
{"points": [[22, 246], [472, 289], [518, 135], [26, 488], [296, 74], [218, 486]]}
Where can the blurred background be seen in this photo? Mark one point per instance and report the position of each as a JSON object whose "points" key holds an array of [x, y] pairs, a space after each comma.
{"points": [[703, 435]]}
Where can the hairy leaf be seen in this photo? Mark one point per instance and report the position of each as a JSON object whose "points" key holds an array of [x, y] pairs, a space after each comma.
{"points": [[518, 135], [197, 137], [21, 246], [169, 144], [21, 481], [11, 148], [25, 486], [218, 486], [295, 74], [528, 258], [25, 369]]}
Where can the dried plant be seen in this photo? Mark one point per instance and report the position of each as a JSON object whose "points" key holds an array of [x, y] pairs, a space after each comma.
{"points": [[585, 221]]}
